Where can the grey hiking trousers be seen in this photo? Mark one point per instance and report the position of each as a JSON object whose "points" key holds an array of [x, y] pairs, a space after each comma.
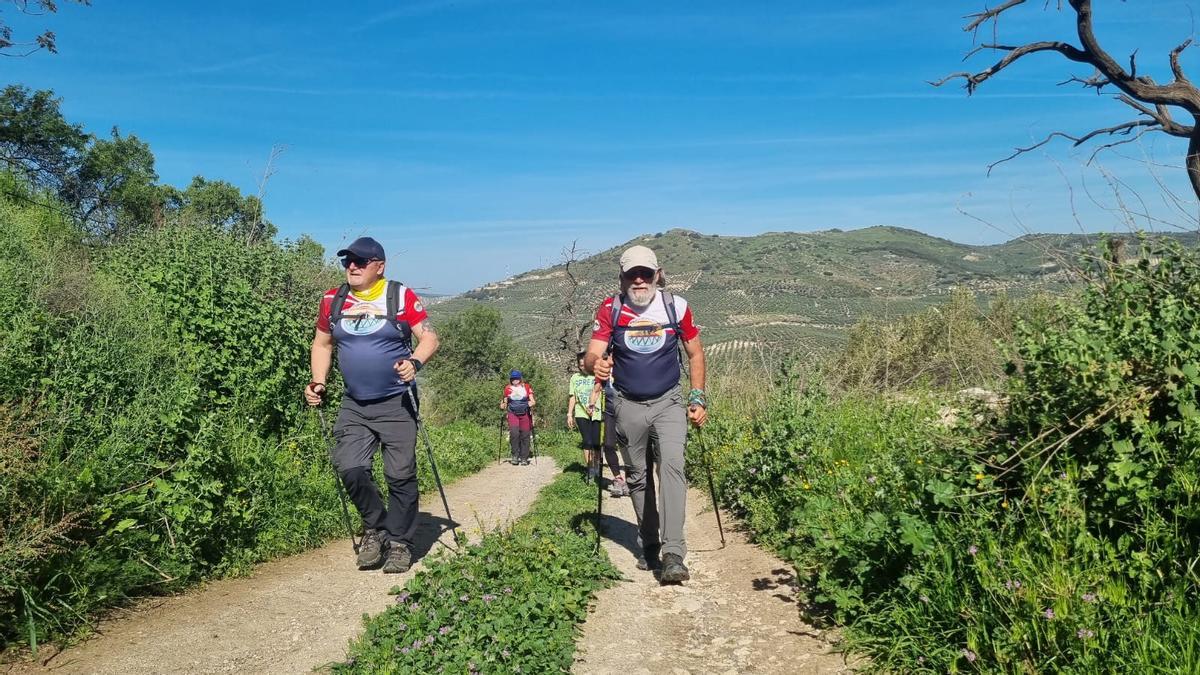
{"points": [[661, 520]]}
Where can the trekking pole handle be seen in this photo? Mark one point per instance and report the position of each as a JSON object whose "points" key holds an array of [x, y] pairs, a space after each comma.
{"points": [[319, 389]]}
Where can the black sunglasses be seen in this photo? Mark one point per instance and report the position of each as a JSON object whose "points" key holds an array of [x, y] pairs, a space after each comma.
{"points": [[357, 261], [639, 273]]}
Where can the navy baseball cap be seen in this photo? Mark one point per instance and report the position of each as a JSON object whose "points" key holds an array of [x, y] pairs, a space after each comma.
{"points": [[365, 248]]}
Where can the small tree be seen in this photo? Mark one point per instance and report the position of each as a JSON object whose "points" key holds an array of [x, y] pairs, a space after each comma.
{"points": [[1154, 103]]}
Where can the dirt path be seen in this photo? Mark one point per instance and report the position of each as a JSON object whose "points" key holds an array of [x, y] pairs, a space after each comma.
{"points": [[291, 615], [738, 613]]}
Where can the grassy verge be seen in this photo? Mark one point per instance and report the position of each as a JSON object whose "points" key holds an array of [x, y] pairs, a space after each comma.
{"points": [[510, 603]]}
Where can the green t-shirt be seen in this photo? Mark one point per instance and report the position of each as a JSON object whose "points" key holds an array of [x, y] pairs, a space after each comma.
{"points": [[581, 389]]}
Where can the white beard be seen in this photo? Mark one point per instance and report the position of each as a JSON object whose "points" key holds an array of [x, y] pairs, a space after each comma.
{"points": [[642, 298]]}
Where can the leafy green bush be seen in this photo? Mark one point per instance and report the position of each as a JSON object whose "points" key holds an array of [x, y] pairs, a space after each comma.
{"points": [[507, 604], [1059, 535], [151, 424], [473, 363]]}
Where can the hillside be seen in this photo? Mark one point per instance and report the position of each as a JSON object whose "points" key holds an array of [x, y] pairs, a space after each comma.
{"points": [[778, 291]]}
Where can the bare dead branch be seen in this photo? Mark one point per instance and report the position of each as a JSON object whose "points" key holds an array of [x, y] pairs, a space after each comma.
{"points": [[1014, 52], [1096, 81], [980, 18], [1176, 69], [1122, 129]]}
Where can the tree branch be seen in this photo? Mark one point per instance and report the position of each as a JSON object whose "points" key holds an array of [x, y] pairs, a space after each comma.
{"points": [[1176, 69], [988, 14], [1014, 52], [1119, 129]]}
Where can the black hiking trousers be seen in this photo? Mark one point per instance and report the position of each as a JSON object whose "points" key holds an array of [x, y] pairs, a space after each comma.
{"points": [[361, 429]]}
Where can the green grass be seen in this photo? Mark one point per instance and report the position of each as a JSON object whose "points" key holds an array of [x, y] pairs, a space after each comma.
{"points": [[508, 604]]}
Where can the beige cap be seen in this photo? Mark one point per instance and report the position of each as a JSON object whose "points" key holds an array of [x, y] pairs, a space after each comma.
{"points": [[638, 256]]}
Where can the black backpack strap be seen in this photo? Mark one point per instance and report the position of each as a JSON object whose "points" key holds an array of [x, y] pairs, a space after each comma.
{"points": [[673, 322], [394, 289], [395, 295], [336, 307]]}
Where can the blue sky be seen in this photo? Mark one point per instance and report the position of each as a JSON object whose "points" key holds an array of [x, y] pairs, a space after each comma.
{"points": [[479, 138]]}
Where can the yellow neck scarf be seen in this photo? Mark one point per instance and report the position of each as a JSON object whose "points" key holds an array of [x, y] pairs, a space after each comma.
{"points": [[373, 293]]}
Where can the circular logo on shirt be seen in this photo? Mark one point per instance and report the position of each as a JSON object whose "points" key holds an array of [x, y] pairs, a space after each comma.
{"points": [[644, 336], [418, 307], [362, 319]]}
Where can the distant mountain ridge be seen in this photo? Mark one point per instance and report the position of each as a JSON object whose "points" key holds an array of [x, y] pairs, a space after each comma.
{"points": [[780, 291]]}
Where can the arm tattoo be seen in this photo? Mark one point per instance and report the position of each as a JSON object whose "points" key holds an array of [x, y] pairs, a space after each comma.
{"points": [[427, 326]]}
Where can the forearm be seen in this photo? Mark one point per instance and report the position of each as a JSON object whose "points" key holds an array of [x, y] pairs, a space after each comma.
{"points": [[319, 361], [427, 346], [697, 369]]}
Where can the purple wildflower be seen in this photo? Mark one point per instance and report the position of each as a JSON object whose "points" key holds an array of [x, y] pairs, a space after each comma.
{"points": [[415, 606], [970, 655], [1012, 585], [403, 597], [753, 471], [444, 630], [921, 660], [505, 653], [400, 628], [508, 591], [417, 643], [404, 650], [871, 479], [428, 639], [1088, 597], [1049, 614], [1062, 475], [464, 597], [924, 598], [1084, 634], [972, 549], [488, 597]]}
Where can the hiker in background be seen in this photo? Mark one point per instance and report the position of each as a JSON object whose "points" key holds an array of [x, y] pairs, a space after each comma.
{"points": [[519, 401], [583, 413], [636, 339], [372, 321], [601, 394]]}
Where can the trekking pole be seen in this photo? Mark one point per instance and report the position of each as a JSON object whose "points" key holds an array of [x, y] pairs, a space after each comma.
{"points": [[532, 436], [599, 476], [500, 448], [412, 399], [712, 487], [337, 480]]}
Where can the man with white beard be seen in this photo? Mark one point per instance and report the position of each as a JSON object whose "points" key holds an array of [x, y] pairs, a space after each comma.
{"points": [[636, 339]]}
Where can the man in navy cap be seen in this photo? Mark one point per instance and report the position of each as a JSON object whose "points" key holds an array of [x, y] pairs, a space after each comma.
{"points": [[372, 322]]}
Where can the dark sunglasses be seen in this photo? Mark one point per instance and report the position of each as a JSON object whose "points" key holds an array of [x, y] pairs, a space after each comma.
{"points": [[357, 262], [638, 273]]}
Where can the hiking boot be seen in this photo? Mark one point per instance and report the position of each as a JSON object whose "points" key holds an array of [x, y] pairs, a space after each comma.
{"points": [[617, 488], [370, 550], [399, 559], [673, 569], [648, 561]]}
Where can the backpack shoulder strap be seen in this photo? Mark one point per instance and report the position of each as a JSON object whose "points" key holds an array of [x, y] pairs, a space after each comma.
{"points": [[338, 304], [617, 302], [669, 301], [395, 293], [395, 296], [673, 322]]}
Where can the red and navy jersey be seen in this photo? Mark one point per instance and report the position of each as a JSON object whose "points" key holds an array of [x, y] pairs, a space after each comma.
{"points": [[368, 344], [645, 364], [518, 397]]}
